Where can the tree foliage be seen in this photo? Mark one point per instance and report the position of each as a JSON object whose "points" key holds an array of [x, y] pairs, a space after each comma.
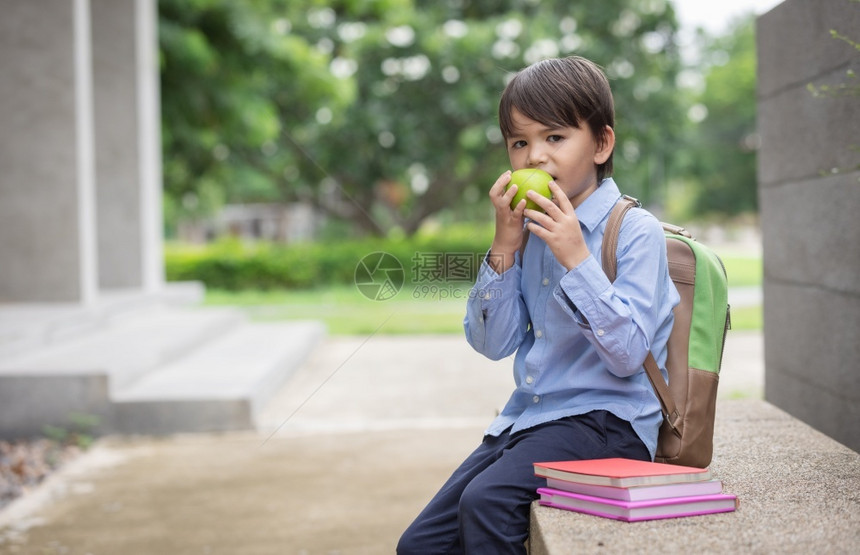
{"points": [[383, 112], [723, 146]]}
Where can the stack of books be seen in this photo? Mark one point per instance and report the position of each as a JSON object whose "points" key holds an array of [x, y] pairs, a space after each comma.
{"points": [[631, 490]]}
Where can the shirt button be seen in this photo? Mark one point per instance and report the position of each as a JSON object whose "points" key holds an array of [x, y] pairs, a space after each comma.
{"points": [[545, 281], [600, 332], [536, 399], [538, 334], [530, 379]]}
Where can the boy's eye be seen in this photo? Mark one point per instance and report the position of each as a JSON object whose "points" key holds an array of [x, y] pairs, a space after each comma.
{"points": [[554, 138], [518, 144]]}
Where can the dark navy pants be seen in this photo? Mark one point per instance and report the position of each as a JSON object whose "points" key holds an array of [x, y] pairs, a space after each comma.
{"points": [[483, 508]]}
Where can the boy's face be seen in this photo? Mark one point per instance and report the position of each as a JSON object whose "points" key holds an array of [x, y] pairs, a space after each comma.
{"points": [[569, 154]]}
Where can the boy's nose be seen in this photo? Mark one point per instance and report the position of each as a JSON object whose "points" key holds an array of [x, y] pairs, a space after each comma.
{"points": [[537, 156]]}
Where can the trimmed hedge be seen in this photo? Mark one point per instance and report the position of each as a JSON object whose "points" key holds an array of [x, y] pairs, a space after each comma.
{"points": [[233, 265]]}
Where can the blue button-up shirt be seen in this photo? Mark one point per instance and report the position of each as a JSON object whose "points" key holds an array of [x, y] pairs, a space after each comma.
{"points": [[580, 341]]}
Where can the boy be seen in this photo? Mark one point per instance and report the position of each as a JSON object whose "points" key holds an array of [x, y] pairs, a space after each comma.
{"points": [[580, 341]]}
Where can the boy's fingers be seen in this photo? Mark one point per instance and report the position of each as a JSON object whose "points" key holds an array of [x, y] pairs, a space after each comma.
{"points": [[504, 199], [538, 217], [545, 203], [498, 187], [557, 194], [538, 230], [520, 207], [500, 196]]}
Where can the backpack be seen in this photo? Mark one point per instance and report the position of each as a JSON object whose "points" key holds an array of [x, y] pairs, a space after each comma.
{"points": [[695, 348]]}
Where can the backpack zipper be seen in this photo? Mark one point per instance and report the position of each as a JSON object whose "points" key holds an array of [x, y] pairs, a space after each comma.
{"points": [[726, 329]]}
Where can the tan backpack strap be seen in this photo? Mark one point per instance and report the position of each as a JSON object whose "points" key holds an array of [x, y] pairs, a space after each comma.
{"points": [[609, 260], [609, 248], [670, 411]]}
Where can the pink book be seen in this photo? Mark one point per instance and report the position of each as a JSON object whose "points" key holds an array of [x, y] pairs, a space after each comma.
{"points": [[632, 511], [639, 493], [620, 473]]}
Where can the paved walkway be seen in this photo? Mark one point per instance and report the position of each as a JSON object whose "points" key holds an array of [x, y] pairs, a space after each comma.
{"points": [[347, 455]]}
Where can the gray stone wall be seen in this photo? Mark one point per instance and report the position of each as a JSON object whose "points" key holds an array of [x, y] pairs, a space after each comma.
{"points": [[809, 194]]}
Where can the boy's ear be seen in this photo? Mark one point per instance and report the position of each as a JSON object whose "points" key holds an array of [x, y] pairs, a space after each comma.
{"points": [[605, 145]]}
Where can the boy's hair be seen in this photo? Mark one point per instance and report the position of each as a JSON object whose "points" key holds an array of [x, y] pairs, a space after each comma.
{"points": [[561, 92]]}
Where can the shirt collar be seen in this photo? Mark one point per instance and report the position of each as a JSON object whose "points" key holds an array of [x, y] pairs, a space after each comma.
{"points": [[597, 206]]}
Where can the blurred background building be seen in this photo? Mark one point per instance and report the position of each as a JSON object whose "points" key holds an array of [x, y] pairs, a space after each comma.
{"points": [[88, 325]]}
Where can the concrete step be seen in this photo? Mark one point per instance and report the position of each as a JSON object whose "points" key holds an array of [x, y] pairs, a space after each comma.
{"points": [[220, 387], [25, 328], [47, 383], [31, 326], [141, 362], [123, 348]]}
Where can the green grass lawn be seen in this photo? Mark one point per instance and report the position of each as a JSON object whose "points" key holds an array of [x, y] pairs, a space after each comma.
{"points": [[742, 271], [747, 318], [422, 309], [347, 312]]}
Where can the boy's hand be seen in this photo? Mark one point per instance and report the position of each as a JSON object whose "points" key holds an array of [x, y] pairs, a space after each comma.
{"points": [[558, 227], [509, 224]]}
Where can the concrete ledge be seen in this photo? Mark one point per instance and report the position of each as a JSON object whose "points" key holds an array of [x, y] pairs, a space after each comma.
{"points": [[798, 492], [221, 387], [147, 367]]}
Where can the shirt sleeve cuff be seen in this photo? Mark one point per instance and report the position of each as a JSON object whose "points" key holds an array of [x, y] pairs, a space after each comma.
{"points": [[492, 285], [579, 289]]}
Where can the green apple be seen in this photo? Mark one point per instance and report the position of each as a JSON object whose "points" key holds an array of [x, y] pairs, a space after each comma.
{"points": [[530, 179]]}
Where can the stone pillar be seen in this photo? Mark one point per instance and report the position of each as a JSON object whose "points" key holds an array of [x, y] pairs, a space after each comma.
{"points": [[80, 150], [128, 144], [47, 182], [809, 193]]}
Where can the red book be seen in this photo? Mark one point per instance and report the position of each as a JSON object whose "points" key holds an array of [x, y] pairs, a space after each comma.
{"points": [[620, 473]]}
